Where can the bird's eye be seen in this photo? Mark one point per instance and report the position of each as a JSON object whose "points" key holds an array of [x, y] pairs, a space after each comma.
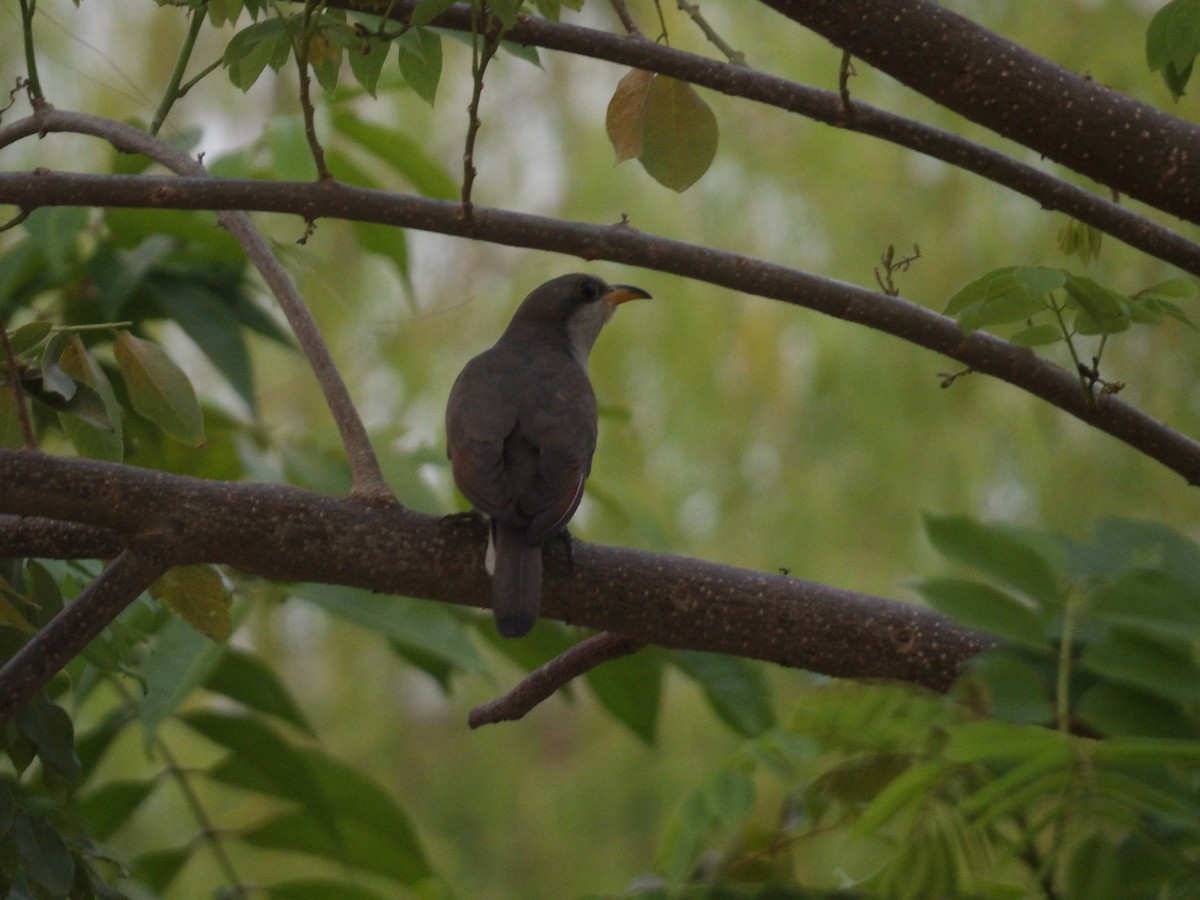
{"points": [[590, 289]]}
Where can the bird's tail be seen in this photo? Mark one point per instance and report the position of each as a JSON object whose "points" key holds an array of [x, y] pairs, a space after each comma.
{"points": [[516, 582]]}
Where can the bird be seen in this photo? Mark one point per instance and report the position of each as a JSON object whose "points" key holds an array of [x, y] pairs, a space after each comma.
{"points": [[521, 428]]}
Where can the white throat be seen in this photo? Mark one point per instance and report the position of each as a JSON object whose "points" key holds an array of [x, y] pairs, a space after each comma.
{"points": [[583, 327]]}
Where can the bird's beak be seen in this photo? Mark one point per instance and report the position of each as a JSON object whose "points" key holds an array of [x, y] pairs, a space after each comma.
{"points": [[619, 293]]}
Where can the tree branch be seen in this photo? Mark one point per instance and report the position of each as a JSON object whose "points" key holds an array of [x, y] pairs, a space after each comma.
{"points": [[364, 467], [69, 632], [829, 108], [542, 682], [916, 324], [288, 534], [1133, 147], [55, 539]]}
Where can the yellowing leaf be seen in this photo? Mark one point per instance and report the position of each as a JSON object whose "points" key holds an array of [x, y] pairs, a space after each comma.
{"points": [[158, 389], [626, 117], [197, 595], [679, 140]]}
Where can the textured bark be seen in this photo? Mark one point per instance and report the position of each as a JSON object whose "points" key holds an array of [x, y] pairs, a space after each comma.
{"points": [[287, 534], [901, 318], [1120, 142]]}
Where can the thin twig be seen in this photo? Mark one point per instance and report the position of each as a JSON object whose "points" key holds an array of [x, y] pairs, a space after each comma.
{"points": [[172, 92], [66, 635], [845, 71], [36, 98], [627, 21], [29, 440], [301, 45], [481, 30], [543, 681], [368, 481], [735, 57]]}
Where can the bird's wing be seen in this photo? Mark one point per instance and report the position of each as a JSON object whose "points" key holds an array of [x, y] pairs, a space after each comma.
{"points": [[479, 419]]}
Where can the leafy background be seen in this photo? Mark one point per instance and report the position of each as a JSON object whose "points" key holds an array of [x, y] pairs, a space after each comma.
{"points": [[733, 430]]}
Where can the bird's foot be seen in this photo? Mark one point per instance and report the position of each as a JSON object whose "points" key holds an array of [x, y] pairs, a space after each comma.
{"points": [[558, 555], [472, 520]]}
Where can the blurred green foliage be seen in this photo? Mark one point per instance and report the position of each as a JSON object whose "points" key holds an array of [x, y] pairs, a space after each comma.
{"points": [[324, 752]]}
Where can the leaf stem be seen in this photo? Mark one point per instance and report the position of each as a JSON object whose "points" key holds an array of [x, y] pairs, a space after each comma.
{"points": [[173, 92], [1067, 339]]}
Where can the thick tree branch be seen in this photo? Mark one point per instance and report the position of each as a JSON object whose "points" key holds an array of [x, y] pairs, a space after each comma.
{"points": [[55, 539], [829, 108], [980, 351], [69, 632], [1131, 147], [364, 467], [287, 534]]}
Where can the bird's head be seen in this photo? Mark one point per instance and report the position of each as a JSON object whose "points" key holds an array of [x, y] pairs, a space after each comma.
{"points": [[576, 305]]}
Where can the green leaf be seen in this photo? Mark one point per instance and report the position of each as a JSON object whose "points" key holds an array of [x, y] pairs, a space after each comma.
{"points": [[246, 679], [729, 796], [1037, 336], [375, 835], [420, 52], [1118, 710], [1151, 602], [11, 435], [679, 141], [255, 47], [1164, 668], [51, 731], [208, 318], [54, 379], [1173, 41], [44, 854], [400, 152], [283, 770], [366, 62], [158, 868], [198, 595], [415, 622], [911, 788], [95, 431], [630, 688], [318, 889], [110, 806], [985, 608], [971, 742], [55, 230], [158, 389], [180, 661], [387, 241], [1101, 311], [736, 689], [427, 10], [1003, 296], [325, 58], [29, 335], [1009, 687], [996, 551]]}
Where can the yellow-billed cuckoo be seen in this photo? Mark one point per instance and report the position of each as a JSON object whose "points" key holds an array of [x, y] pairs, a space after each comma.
{"points": [[521, 430]]}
